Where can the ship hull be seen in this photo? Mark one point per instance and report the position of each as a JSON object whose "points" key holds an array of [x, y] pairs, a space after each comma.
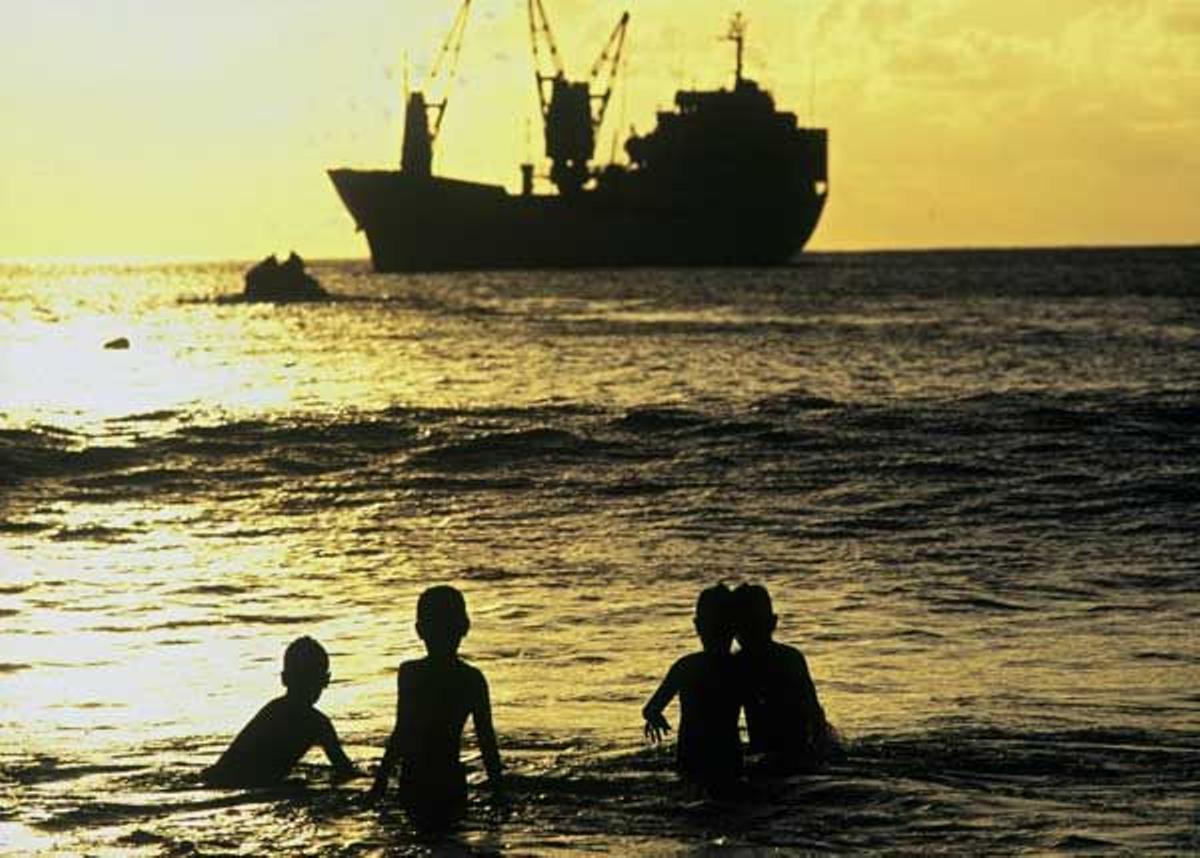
{"points": [[417, 223]]}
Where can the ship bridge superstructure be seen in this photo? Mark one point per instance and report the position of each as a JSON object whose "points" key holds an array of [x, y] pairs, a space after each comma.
{"points": [[729, 143]]}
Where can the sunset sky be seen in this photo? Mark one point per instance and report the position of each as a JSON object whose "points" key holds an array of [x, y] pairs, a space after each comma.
{"points": [[203, 129]]}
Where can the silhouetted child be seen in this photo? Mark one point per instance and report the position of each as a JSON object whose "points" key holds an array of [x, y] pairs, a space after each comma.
{"points": [[784, 719], [283, 731], [709, 750], [434, 696]]}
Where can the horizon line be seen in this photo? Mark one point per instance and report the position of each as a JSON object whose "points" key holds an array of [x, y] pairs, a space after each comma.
{"points": [[147, 259]]}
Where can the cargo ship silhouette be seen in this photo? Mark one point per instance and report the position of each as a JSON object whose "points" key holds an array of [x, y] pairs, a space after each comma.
{"points": [[723, 179]]}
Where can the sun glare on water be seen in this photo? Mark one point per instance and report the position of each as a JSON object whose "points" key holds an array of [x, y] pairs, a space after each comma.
{"points": [[81, 368]]}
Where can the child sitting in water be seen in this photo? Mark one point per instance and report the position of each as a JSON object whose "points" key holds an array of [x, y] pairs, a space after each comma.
{"points": [[283, 731], [709, 749], [784, 719], [434, 696]]}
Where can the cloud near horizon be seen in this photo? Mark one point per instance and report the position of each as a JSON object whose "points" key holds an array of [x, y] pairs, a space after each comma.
{"points": [[1077, 123]]}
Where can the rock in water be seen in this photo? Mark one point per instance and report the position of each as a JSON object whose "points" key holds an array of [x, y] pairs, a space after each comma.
{"points": [[118, 343], [271, 280]]}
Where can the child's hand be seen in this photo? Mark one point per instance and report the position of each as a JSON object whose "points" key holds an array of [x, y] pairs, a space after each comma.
{"points": [[656, 728]]}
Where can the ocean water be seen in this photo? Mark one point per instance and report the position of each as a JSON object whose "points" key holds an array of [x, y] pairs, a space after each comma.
{"points": [[970, 480]]}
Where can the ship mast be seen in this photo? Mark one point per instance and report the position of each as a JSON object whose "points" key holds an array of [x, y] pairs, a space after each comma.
{"points": [[737, 35]]}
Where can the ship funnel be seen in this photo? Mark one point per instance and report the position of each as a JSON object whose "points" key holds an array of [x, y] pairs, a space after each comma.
{"points": [[416, 157]]}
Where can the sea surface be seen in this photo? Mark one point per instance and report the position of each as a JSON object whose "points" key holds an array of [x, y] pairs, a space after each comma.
{"points": [[970, 480]]}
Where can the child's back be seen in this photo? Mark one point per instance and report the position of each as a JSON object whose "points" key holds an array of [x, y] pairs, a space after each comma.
{"points": [[783, 715], [708, 750], [784, 718], [434, 696]]}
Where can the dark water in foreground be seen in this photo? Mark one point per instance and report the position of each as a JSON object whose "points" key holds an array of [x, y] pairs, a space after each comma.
{"points": [[971, 481]]}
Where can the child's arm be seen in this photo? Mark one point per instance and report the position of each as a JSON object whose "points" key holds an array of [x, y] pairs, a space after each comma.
{"points": [[656, 725], [485, 734], [391, 751], [332, 746], [384, 769], [814, 716]]}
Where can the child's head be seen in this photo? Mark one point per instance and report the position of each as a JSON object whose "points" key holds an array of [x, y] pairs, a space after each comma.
{"points": [[442, 620], [305, 668], [714, 618], [754, 617]]}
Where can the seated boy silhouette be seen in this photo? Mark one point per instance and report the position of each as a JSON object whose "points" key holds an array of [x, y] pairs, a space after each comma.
{"points": [[709, 750], [784, 719], [283, 731], [434, 696]]}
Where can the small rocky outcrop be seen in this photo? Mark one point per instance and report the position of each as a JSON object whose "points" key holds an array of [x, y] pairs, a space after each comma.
{"points": [[282, 282]]}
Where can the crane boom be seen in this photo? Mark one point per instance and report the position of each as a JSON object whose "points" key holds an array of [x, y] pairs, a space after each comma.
{"points": [[452, 44], [571, 112], [452, 48], [419, 134], [610, 57], [539, 29]]}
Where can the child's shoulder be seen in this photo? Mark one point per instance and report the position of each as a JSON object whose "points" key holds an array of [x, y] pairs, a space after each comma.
{"points": [[471, 672], [277, 708], [790, 649], [788, 654], [284, 712], [692, 662], [462, 670]]}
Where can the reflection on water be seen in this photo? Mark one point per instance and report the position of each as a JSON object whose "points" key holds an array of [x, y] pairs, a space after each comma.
{"points": [[969, 483]]}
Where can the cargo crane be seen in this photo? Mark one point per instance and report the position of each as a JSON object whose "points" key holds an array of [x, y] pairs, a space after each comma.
{"points": [[572, 112], [420, 135]]}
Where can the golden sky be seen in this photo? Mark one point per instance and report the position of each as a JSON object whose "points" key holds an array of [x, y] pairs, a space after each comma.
{"points": [[189, 128]]}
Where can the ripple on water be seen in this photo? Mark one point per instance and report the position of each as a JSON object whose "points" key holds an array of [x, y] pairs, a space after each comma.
{"points": [[940, 468]]}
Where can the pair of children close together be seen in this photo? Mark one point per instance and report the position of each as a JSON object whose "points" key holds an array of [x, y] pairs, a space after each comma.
{"points": [[436, 694], [770, 681]]}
